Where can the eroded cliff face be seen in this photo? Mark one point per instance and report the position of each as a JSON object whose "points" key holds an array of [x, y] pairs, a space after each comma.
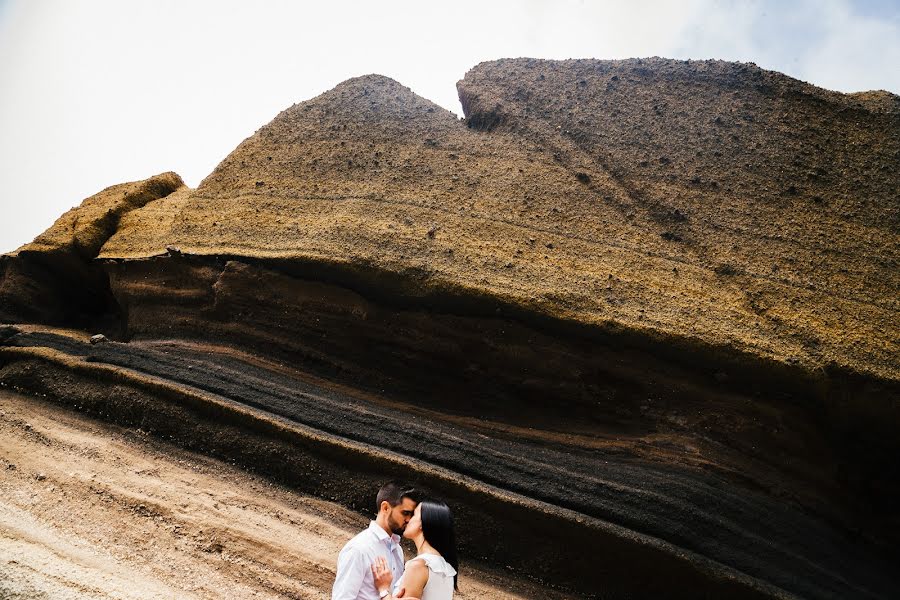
{"points": [[637, 312], [785, 193], [54, 279]]}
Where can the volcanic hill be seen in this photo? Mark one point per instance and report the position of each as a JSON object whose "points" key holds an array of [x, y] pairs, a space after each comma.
{"points": [[637, 321]]}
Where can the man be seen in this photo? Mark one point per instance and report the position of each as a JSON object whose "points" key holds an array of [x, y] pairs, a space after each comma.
{"points": [[395, 504]]}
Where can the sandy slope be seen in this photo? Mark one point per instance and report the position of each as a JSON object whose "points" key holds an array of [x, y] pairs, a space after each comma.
{"points": [[93, 510]]}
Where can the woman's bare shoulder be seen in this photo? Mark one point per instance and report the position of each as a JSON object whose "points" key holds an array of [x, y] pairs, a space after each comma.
{"points": [[416, 564]]}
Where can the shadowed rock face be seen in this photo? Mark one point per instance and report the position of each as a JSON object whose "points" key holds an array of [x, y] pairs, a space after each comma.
{"points": [[648, 304]]}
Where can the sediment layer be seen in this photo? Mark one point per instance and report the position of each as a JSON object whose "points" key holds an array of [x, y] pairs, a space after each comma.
{"points": [[93, 510], [517, 500]]}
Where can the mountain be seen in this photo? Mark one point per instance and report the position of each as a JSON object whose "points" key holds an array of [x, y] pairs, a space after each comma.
{"points": [[634, 319]]}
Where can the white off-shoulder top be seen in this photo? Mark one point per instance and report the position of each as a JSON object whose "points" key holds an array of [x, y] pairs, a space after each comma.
{"points": [[440, 577]]}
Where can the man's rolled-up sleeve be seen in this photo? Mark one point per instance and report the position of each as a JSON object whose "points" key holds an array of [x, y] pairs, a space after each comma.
{"points": [[351, 573]]}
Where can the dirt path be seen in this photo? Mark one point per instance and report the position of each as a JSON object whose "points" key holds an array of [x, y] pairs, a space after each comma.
{"points": [[92, 510]]}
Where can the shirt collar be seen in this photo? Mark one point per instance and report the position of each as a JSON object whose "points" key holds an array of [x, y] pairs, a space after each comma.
{"points": [[381, 534]]}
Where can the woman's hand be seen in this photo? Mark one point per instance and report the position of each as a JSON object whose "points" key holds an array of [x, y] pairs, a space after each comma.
{"points": [[382, 574]]}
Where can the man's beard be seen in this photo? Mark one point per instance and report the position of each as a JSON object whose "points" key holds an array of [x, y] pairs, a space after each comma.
{"points": [[396, 527]]}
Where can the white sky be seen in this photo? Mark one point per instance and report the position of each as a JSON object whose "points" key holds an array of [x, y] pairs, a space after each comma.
{"points": [[94, 93]]}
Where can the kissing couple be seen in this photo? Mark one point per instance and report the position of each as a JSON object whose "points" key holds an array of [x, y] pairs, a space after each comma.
{"points": [[370, 566]]}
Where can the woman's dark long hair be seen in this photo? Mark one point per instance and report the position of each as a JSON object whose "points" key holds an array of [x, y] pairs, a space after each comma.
{"points": [[437, 527]]}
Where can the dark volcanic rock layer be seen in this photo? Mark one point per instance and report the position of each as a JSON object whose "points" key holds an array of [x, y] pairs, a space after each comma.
{"points": [[205, 397], [638, 316]]}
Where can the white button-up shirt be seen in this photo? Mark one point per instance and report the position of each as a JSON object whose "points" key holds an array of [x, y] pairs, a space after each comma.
{"points": [[354, 579]]}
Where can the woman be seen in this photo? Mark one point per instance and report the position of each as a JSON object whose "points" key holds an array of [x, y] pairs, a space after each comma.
{"points": [[431, 575]]}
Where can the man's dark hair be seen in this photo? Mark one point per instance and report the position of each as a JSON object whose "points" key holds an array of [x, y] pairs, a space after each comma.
{"points": [[394, 492]]}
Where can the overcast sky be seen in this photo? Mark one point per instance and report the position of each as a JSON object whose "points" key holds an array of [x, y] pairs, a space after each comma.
{"points": [[94, 93]]}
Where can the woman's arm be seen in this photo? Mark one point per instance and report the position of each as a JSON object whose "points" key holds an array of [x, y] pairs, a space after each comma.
{"points": [[414, 579]]}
